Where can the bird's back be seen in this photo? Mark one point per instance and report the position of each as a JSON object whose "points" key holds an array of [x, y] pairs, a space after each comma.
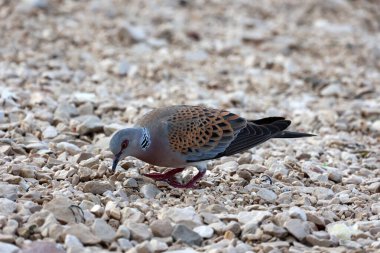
{"points": [[158, 115]]}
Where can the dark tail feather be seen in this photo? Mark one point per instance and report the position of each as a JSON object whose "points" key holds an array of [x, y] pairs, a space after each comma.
{"points": [[288, 134], [266, 121]]}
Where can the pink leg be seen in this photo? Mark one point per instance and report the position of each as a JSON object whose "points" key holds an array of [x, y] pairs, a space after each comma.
{"points": [[191, 184], [164, 176]]}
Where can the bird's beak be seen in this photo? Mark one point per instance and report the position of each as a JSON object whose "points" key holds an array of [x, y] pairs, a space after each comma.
{"points": [[115, 161]]}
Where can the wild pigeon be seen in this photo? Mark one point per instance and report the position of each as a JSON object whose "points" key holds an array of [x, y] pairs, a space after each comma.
{"points": [[183, 135]]}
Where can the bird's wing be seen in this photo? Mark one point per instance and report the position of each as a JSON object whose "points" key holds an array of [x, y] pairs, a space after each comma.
{"points": [[201, 133], [255, 133]]}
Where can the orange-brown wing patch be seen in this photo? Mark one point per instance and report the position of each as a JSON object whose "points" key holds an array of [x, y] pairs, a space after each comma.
{"points": [[199, 131]]}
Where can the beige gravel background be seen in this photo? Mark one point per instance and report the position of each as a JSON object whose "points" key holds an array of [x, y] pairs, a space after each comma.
{"points": [[73, 72]]}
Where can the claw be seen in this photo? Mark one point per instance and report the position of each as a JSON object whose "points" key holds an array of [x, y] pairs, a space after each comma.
{"points": [[164, 176], [189, 185]]}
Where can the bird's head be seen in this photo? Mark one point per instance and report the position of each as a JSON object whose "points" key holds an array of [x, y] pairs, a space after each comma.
{"points": [[124, 143]]}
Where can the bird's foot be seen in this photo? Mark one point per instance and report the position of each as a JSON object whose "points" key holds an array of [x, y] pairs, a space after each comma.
{"points": [[164, 176], [189, 185]]}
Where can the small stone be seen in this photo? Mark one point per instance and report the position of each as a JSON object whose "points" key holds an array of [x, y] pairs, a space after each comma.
{"points": [[65, 111], [139, 231], [49, 132], [124, 244], [184, 234], [196, 56], [270, 246], [204, 231], [334, 89], [375, 126], [314, 218], [234, 227], [297, 213], [344, 198], [321, 234], [86, 109], [113, 127], [228, 167], [374, 187], [90, 162], [334, 174], [149, 191], [7, 206], [134, 34], [41, 246], [11, 179], [229, 235], [11, 227], [322, 193], [130, 183], [143, 247], [110, 205], [123, 68], [115, 213], [375, 208], [376, 245], [8, 248], [350, 244], [253, 216], [86, 204], [83, 97], [38, 4], [123, 232], [88, 124], [97, 187], [161, 228], [102, 230], [83, 233], [61, 208], [97, 210], [85, 174], [267, 195], [8, 238], [315, 172], [82, 157], [158, 246], [274, 230], [353, 179], [28, 172], [245, 174], [245, 158], [73, 244], [181, 215], [219, 227], [216, 208], [132, 214], [8, 191], [341, 230], [209, 218], [297, 228], [61, 174], [249, 228], [315, 241], [279, 170], [68, 147]]}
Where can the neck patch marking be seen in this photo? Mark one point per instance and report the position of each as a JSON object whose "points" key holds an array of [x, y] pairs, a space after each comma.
{"points": [[145, 139]]}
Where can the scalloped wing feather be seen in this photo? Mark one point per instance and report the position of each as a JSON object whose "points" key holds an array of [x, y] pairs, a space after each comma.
{"points": [[201, 133]]}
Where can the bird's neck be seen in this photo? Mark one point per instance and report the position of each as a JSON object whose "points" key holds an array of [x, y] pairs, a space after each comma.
{"points": [[145, 139]]}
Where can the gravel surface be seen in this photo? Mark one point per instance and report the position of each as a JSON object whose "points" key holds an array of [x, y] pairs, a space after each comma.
{"points": [[73, 72]]}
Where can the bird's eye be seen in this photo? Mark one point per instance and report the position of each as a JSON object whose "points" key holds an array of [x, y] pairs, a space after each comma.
{"points": [[124, 145]]}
